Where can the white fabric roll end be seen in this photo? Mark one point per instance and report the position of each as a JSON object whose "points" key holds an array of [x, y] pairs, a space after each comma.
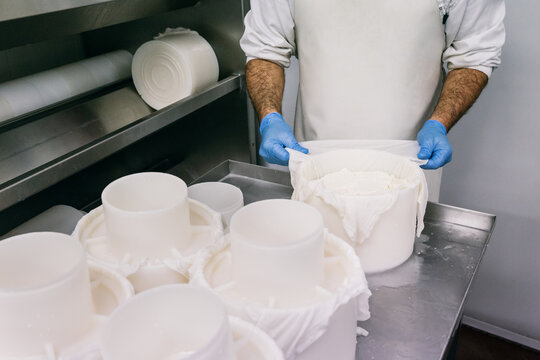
{"points": [[172, 67]]}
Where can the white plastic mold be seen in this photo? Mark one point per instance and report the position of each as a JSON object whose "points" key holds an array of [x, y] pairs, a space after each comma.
{"points": [[52, 303], [156, 235], [182, 322], [252, 343], [222, 197], [147, 215], [109, 288], [311, 315], [284, 232], [380, 227]]}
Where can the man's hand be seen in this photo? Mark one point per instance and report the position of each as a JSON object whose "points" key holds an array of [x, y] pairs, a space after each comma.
{"points": [[460, 90], [276, 136], [434, 145], [265, 81]]}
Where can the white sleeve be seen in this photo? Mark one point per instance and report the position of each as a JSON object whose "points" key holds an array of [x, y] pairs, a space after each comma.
{"points": [[475, 34], [269, 32]]}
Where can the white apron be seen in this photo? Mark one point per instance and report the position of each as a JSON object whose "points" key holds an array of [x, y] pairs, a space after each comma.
{"points": [[368, 69]]}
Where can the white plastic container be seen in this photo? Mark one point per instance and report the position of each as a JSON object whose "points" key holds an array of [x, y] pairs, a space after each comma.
{"points": [[148, 230], [380, 226], [45, 293], [224, 198], [147, 215], [391, 240], [177, 322], [284, 232], [251, 343], [175, 65], [109, 288], [52, 303], [280, 270]]}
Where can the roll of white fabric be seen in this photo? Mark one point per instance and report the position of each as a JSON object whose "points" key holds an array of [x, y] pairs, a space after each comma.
{"points": [[33, 92], [173, 66]]}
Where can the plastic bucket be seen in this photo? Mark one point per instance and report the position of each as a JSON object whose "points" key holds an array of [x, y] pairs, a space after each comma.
{"points": [[144, 272], [322, 326], [391, 240], [169, 322], [277, 248], [147, 215], [44, 293], [380, 225], [224, 198]]}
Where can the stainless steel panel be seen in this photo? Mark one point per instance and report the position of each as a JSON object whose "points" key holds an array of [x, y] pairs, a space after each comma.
{"points": [[29, 22], [460, 216], [15, 9], [415, 307], [43, 152], [30, 59], [253, 126]]}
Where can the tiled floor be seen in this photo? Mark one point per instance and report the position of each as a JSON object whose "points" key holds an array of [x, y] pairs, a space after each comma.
{"points": [[477, 345]]}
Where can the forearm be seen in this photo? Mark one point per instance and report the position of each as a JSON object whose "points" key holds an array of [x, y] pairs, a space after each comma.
{"points": [[461, 89], [265, 82]]}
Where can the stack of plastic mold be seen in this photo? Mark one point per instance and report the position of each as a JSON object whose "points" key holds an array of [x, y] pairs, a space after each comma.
{"points": [[282, 271], [148, 230], [182, 322], [53, 304]]}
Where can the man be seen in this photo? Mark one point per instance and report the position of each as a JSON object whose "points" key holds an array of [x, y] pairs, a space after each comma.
{"points": [[370, 69]]}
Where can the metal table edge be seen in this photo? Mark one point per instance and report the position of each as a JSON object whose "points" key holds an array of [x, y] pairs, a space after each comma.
{"points": [[459, 315]]}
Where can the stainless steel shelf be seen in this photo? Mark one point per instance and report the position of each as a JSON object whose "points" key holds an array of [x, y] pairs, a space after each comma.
{"points": [[45, 151]]}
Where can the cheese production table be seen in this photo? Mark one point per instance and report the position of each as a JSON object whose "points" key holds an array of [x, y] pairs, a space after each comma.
{"points": [[415, 308]]}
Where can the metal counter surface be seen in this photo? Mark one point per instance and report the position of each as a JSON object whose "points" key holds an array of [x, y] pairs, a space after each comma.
{"points": [[416, 307]]}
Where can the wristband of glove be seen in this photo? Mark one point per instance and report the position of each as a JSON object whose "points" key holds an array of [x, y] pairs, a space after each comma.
{"points": [[269, 119], [437, 124]]}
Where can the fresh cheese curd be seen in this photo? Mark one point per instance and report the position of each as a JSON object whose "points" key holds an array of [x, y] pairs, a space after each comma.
{"points": [[355, 183]]}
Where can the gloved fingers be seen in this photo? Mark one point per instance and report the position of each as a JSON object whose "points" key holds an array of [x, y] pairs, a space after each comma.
{"points": [[434, 145], [427, 145], [280, 155], [290, 141], [440, 157], [300, 148], [425, 152], [274, 153]]}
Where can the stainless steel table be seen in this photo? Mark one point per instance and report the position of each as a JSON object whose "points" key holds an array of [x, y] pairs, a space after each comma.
{"points": [[416, 307]]}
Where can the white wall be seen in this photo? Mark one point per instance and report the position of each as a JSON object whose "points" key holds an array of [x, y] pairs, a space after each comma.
{"points": [[496, 169]]}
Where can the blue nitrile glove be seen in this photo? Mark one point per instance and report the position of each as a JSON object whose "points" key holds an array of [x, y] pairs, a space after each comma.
{"points": [[276, 136], [434, 145]]}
